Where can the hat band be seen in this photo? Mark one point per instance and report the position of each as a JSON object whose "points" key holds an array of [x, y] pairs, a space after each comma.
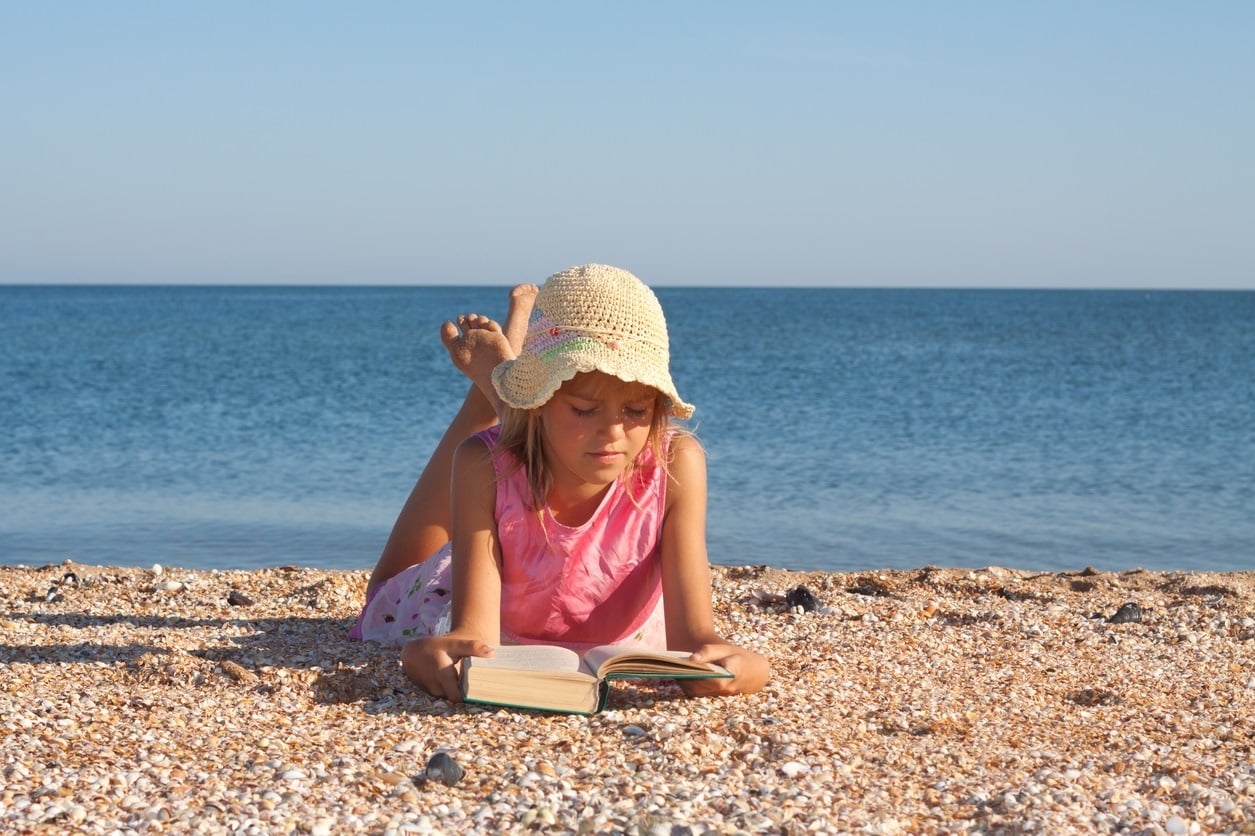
{"points": [[544, 328]]}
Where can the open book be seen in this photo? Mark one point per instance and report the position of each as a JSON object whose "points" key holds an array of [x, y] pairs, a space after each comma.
{"points": [[556, 679]]}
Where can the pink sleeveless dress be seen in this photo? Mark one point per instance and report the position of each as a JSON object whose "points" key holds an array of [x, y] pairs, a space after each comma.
{"points": [[581, 586]]}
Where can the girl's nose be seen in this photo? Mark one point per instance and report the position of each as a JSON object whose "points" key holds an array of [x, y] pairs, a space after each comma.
{"points": [[614, 426]]}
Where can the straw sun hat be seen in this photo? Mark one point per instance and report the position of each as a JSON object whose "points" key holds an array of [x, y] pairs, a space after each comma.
{"points": [[590, 318]]}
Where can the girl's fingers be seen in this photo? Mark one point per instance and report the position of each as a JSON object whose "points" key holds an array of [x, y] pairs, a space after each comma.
{"points": [[461, 648], [449, 683], [749, 670], [715, 653], [433, 663]]}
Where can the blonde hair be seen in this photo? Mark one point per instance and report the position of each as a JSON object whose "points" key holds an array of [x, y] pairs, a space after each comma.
{"points": [[521, 435]]}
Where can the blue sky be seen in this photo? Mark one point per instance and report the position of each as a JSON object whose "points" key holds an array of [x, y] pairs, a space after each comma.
{"points": [[1061, 144]]}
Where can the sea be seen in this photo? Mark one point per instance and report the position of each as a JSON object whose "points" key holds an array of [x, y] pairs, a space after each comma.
{"points": [[846, 429]]}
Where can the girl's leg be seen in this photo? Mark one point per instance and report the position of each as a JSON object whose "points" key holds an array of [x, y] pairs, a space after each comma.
{"points": [[476, 347]]}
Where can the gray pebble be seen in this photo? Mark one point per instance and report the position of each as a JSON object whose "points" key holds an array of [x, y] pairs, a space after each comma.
{"points": [[444, 769], [1130, 613]]}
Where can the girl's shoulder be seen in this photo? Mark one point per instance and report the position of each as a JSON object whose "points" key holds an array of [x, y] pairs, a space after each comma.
{"points": [[684, 447], [685, 470], [503, 460], [478, 448], [655, 462], [490, 436]]}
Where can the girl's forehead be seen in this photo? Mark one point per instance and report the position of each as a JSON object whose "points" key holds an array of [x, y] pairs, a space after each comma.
{"points": [[601, 385]]}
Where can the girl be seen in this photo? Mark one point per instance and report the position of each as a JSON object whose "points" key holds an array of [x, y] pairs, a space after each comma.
{"points": [[578, 520]]}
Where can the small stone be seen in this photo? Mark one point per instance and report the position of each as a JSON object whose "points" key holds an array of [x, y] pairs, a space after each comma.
{"points": [[238, 672], [633, 730], [444, 769], [238, 599], [1176, 824], [1130, 613]]}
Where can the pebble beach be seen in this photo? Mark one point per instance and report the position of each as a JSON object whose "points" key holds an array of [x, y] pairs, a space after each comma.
{"points": [[933, 700]]}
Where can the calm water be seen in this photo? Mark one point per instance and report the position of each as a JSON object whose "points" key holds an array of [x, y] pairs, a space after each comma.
{"points": [[846, 429]]}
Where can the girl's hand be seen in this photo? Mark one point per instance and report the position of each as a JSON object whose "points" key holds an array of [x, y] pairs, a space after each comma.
{"points": [[433, 662], [749, 671]]}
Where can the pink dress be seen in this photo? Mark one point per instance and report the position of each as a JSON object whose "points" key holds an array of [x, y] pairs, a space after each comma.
{"points": [[581, 586]]}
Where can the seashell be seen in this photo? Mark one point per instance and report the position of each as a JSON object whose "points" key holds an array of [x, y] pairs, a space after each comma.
{"points": [[444, 769], [1130, 613], [793, 769], [802, 597]]}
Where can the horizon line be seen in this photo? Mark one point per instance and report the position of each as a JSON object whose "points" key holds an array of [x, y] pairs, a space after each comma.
{"points": [[659, 285]]}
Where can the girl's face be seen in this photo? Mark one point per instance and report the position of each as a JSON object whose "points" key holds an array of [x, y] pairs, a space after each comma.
{"points": [[593, 428]]}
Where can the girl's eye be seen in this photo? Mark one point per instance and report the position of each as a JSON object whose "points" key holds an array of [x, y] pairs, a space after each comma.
{"points": [[636, 413], [583, 413]]}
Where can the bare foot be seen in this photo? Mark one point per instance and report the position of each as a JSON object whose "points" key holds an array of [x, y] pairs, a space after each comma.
{"points": [[476, 346], [522, 297]]}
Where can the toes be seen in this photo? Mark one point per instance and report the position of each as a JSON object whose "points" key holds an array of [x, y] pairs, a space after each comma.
{"points": [[522, 299], [475, 321], [451, 333]]}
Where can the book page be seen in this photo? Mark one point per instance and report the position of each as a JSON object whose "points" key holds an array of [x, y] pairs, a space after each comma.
{"points": [[530, 657], [622, 660]]}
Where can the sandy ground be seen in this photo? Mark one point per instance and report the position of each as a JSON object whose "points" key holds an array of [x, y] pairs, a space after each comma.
{"points": [[930, 700]]}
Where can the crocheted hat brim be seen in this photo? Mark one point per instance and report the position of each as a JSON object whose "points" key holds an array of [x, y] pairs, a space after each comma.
{"points": [[591, 318]]}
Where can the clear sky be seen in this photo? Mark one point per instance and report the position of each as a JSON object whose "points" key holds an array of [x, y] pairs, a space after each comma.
{"points": [[1068, 144]]}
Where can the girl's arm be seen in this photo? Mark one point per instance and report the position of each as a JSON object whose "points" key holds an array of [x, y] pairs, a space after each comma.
{"points": [[686, 580], [476, 621]]}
